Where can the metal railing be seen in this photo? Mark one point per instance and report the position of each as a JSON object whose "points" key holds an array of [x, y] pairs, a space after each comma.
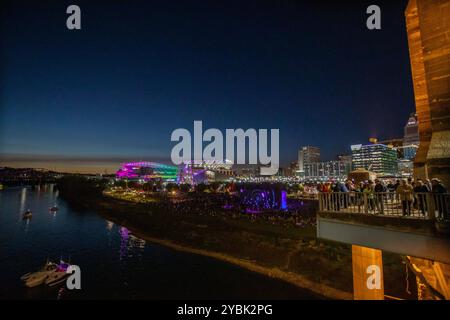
{"points": [[420, 205]]}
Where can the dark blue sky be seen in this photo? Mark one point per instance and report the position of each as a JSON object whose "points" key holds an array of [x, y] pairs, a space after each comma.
{"points": [[140, 69]]}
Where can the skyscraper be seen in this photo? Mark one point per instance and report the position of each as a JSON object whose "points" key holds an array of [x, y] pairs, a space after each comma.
{"points": [[307, 155], [376, 157], [411, 138], [428, 27]]}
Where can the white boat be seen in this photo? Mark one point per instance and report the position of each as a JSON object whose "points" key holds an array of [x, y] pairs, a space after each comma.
{"points": [[37, 278], [27, 215], [58, 276], [48, 266], [55, 278]]}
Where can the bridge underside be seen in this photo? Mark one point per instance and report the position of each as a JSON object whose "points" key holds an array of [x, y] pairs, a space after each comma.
{"points": [[411, 237], [426, 250]]}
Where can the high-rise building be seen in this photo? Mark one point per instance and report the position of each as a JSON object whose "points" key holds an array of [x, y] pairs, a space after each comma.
{"points": [[396, 143], [428, 27], [411, 130], [411, 138], [307, 155], [376, 157]]}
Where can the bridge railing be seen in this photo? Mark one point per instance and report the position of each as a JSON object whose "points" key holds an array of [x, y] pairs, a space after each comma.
{"points": [[422, 205]]}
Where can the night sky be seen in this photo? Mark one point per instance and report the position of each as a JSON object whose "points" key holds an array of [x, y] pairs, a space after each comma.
{"points": [[137, 70]]}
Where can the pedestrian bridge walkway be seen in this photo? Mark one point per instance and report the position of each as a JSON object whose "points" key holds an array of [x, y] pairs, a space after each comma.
{"points": [[418, 228], [428, 206]]}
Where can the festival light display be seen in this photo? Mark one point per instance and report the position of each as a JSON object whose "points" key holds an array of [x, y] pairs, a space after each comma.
{"points": [[257, 198]]}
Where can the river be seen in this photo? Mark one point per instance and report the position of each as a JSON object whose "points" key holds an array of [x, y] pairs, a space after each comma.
{"points": [[114, 263]]}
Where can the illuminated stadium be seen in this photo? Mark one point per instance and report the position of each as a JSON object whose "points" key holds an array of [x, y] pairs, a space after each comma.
{"points": [[147, 171]]}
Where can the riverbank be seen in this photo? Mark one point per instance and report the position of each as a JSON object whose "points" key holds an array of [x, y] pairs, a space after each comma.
{"points": [[320, 289]]}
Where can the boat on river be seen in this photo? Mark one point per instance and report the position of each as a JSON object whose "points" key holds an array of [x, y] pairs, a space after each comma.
{"points": [[27, 215], [51, 274], [33, 279], [58, 276]]}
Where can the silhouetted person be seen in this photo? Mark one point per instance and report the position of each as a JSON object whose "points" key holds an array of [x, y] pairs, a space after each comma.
{"points": [[405, 192], [380, 190], [369, 191], [420, 191], [440, 197]]}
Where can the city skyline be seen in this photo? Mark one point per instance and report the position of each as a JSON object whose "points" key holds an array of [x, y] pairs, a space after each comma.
{"points": [[114, 91]]}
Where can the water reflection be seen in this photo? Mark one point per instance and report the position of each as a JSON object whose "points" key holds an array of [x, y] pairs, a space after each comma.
{"points": [[137, 242], [26, 225], [124, 235], [109, 225], [23, 197]]}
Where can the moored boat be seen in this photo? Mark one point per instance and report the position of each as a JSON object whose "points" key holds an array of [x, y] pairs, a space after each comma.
{"points": [[58, 276], [48, 266], [27, 215], [34, 279]]}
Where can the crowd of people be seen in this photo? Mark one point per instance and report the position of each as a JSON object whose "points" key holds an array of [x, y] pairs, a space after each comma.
{"points": [[401, 196], [412, 193]]}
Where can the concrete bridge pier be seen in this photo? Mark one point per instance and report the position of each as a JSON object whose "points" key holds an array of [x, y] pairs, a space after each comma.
{"points": [[367, 266]]}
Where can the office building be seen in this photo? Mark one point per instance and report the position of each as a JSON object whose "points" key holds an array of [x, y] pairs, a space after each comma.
{"points": [[376, 157], [307, 155], [411, 138]]}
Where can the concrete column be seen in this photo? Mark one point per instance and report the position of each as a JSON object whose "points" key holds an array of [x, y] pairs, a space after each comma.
{"points": [[429, 49], [367, 267]]}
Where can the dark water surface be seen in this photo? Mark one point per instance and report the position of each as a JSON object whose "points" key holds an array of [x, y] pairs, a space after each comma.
{"points": [[114, 263]]}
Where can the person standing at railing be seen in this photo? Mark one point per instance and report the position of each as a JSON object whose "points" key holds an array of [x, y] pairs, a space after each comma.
{"points": [[380, 191], [440, 198], [368, 191], [438, 186], [396, 185], [415, 201], [326, 189], [342, 192], [391, 189], [359, 188], [349, 185], [405, 192], [420, 191], [351, 189], [428, 184]]}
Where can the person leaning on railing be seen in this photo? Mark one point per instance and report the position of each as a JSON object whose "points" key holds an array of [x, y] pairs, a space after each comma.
{"points": [[380, 191], [420, 191], [391, 190], [351, 189], [396, 185], [369, 192], [405, 192], [440, 198], [359, 188]]}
